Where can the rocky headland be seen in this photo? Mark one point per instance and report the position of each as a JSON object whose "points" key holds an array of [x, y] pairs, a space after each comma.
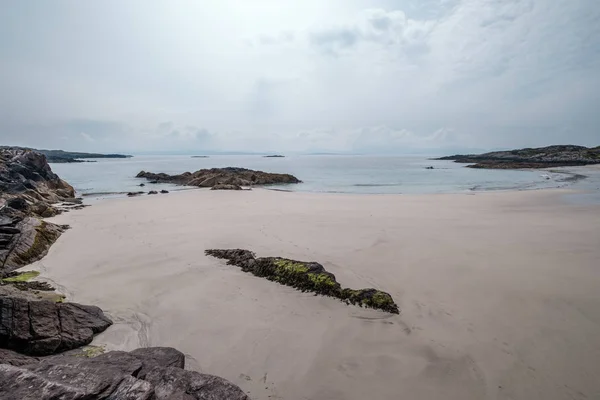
{"points": [[229, 178], [61, 156], [305, 276], [543, 157], [29, 191]]}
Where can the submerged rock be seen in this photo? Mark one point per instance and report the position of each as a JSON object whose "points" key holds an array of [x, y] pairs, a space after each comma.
{"points": [[221, 176], [305, 276], [154, 373]]}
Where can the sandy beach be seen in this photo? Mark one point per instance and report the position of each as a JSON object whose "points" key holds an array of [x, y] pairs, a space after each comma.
{"points": [[499, 292]]}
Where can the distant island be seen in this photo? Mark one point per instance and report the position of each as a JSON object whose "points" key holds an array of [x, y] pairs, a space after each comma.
{"points": [[61, 156], [274, 156], [542, 157], [199, 156]]}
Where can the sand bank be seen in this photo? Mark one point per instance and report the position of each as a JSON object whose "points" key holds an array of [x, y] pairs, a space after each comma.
{"points": [[499, 292]]}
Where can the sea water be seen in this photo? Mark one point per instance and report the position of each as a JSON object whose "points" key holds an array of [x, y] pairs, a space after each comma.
{"points": [[319, 173]]}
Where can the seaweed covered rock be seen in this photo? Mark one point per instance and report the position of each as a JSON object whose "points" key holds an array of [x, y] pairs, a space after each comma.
{"points": [[154, 373], [221, 178], [304, 276]]}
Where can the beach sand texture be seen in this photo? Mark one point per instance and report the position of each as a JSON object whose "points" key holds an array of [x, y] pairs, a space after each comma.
{"points": [[499, 292]]}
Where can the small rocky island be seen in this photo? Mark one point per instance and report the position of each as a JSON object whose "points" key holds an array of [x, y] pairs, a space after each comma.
{"points": [[274, 156], [543, 157], [61, 156], [229, 178], [305, 276]]}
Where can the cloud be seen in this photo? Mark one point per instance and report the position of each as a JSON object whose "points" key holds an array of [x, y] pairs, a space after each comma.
{"points": [[87, 137], [336, 75]]}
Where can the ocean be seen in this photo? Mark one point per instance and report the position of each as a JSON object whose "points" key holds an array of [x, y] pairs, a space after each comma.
{"points": [[319, 173]]}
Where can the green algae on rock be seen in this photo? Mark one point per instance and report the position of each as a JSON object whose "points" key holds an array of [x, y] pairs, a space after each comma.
{"points": [[305, 276], [21, 276]]}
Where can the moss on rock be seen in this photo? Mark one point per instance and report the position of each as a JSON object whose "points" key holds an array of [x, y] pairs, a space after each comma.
{"points": [[22, 276], [305, 276]]}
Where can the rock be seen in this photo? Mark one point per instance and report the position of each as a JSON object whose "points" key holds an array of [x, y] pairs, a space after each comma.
{"points": [[158, 357], [221, 176], [28, 188], [543, 157], [164, 191], [430, 167], [43, 327], [172, 381], [305, 276], [142, 184], [131, 194], [150, 373], [222, 186], [13, 358], [153, 192]]}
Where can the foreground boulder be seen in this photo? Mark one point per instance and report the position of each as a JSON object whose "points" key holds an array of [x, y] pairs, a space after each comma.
{"points": [[305, 276], [41, 328], [154, 373], [543, 157], [221, 178]]}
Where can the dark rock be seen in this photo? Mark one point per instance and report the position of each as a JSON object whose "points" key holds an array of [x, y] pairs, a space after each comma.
{"points": [[172, 381], [44, 327], [158, 357], [14, 358], [149, 373], [222, 186], [164, 191], [543, 157], [28, 188], [153, 192], [142, 184], [17, 203], [131, 194], [305, 276], [430, 167], [221, 176]]}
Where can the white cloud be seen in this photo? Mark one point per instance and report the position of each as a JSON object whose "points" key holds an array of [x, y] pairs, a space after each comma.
{"points": [[276, 75]]}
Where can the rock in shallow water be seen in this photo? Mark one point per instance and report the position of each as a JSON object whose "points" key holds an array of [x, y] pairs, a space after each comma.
{"points": [[305, 276]]}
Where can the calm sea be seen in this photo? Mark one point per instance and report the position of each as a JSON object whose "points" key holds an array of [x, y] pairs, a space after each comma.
{"points": [[333, 174]]}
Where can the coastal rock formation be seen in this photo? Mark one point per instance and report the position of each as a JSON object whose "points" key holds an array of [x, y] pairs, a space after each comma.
{"points": [[305, 276], [544, 157], [221, 176], [222, 186], [29, 190], [154, 373], [43, 327]]}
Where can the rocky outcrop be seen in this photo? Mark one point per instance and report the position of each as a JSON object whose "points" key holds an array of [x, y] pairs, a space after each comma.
{"points": [[305, 276], [29, 191], [221, 176], [222, 186], [544, 157], [154, 373], [40, 328]]}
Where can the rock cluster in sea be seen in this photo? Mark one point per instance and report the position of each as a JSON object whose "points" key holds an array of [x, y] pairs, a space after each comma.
{"points": [[543, 157], [305, 276], [229, 178]]}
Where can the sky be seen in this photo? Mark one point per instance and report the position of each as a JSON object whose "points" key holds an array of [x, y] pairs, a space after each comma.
{"points": [[349, 76]]}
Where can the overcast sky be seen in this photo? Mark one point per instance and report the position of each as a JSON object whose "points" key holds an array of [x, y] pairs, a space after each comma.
{"points": [[313, 75]]}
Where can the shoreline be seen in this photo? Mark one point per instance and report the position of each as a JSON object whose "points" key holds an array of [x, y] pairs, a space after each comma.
{"points": [[161, 290]]}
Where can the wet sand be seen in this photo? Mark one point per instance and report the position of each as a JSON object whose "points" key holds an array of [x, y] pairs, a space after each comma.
{"points": [[499, 292]]}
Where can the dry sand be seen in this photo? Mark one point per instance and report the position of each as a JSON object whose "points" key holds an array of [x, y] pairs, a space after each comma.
{"points": [[499, 292]]}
